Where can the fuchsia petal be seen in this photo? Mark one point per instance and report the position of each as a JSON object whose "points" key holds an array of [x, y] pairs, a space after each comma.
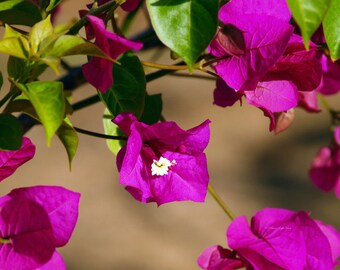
{"points": [[11, 160], [98, 71], [187, 180], [225, 96], [265, 41], [55, 263], [333, 237], [330, 83], [238, 8], [273, 241], [325, 169], [309, 101], [275, 96], [36, 220], [218, 258], [319, 254]]}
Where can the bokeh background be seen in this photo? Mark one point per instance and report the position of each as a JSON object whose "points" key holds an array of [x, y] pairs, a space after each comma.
{"points": [[249, 167]]}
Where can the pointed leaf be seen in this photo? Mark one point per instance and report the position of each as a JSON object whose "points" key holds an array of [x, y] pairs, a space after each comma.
{"points": [[48, 101], [185, 26], [69, 138], [11, 160], [308, 14], [331, 27], [128, 91], [15, 46], [113, 130], [19, 12], [10, 132], [73, 45], [39, 32]]}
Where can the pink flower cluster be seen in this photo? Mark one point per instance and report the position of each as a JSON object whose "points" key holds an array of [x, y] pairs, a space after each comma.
{"points": [[276, 239], [259, 57]]}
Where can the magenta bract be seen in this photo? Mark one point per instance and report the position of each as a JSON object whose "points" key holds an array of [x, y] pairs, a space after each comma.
{"points": [[34, 221], [11, 160], [283, 239], [163, 163], [219, 258], [98, 71], [330, 82]]}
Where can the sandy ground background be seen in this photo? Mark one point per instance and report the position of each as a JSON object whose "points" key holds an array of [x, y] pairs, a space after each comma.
{"points": [[249, 167]]}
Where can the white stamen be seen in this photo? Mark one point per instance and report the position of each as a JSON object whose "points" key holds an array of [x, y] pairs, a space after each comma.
{"points": [[161, 167]]}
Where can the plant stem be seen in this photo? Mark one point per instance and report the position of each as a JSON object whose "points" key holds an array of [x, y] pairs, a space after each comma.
{"points": [[6, 98], [99, 135], [220, 202], [164, 67], [112, 5]]}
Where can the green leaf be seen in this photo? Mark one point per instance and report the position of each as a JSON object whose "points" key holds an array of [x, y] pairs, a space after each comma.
{"points": [[128, 91], [53, 4], [14, 43], [112, 130], [73, 45], [48, 101], [16, 68], [10, 132], [69, 138], [308, 14], [185, 26], [39, 32], [19, 12], [331, 27], [152, 109]]}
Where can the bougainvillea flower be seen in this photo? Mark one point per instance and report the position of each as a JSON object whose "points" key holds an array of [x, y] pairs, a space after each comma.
{"points": [[98, 71], [161, 162], [34, 221], [282, 239], [11, 160], [330, 82], [219, 258], [325, 168]]}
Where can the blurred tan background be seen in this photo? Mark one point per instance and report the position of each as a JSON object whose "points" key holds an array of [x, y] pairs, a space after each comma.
{"points": [[249, 167]]}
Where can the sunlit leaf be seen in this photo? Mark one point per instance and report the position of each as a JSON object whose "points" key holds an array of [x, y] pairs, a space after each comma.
{"points": [[48, 101], [39, 32]]}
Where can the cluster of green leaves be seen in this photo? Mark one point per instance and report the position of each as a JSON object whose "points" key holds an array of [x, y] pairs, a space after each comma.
{"points": [[309, 14]]}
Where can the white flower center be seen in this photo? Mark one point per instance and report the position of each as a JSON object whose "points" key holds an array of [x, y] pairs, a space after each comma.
{"points": [[161, 167]]}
